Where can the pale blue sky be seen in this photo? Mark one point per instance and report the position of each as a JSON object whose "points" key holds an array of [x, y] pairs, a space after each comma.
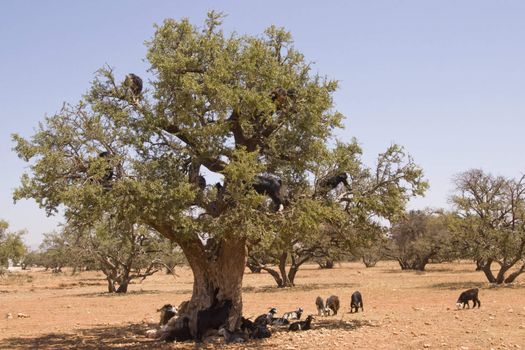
{"points": [[446, 79]]}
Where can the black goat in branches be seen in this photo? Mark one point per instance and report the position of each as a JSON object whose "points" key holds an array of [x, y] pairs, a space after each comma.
{"points": [[133, 83], [331, 182], [263, 185], [273, 188], [109, 171]]}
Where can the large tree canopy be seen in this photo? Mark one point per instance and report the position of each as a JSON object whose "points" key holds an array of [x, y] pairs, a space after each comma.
{"points": [[224, 107]]}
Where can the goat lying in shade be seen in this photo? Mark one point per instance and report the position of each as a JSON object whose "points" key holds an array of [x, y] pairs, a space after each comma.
{"points": [[212, 318], [267, 318], [233, 337], [293, 315], [254, 330], [302, 325], [166, 313]]}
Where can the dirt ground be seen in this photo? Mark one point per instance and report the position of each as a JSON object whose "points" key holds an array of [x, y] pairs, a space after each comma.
{"points": [[403, 310]]}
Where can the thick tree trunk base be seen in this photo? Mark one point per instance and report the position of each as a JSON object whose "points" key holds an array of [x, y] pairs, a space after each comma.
{"points": [[217, 280]]}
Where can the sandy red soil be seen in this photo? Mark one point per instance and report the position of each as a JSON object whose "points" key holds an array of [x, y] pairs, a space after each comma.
{"points": [[403, 310]]}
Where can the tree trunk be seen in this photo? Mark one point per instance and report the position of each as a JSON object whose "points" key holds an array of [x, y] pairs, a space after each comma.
{"points": [[421, 263], [515, 274], [217, 274], [282, 270], [500, 277], [487, 271], [254, 268], [479, 264], [123, 287], [275, 276], [291, 275], [111, 286], [403, 264], [369, 261]]}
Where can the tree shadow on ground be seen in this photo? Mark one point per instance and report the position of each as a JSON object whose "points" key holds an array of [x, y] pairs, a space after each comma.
{"points": [[132, 336], [131, 292], [458, 285], [449, 269], [299, 287], [349, 325], [110, 337]]}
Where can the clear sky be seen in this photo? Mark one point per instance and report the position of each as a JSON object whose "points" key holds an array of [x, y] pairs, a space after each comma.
{"points": [[446, 79]]}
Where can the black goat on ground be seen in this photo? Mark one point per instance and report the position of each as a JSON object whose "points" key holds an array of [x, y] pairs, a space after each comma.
{"points": [[302, 325], [260, 331], [332, 303], [466, 296], [356, 302], [266, 318], [255, 331], [212, 318], [247, 325], [178, 331], [233, 337]]}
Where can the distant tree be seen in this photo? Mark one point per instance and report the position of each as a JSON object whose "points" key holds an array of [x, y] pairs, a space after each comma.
{"points": [[31, 258], [56, 252], [122, 253], [371, 252], [417, 238], [288, 250], [490, 223], [12, 246]]}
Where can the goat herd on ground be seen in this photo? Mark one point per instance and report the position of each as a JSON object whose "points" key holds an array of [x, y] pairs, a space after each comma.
{"points": [[214, 319]]}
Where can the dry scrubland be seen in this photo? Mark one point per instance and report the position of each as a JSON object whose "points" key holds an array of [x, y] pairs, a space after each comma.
{"points": [[403, 310]]}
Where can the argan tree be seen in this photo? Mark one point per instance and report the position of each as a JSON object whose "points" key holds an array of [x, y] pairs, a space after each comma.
{"points": [[12, 246], [218, 108], [490, 224], [417, 238], [55, 253], [122, 252]]}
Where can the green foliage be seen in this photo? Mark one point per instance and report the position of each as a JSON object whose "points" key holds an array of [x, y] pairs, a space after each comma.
{"points": [[12, 246], [235, 106], [122, 253], [490, 222], [210, 104], [58, 251], [419, 237]]}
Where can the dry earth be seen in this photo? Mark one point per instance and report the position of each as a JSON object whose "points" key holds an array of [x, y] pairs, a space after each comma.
{"points": [[403, 310]]}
